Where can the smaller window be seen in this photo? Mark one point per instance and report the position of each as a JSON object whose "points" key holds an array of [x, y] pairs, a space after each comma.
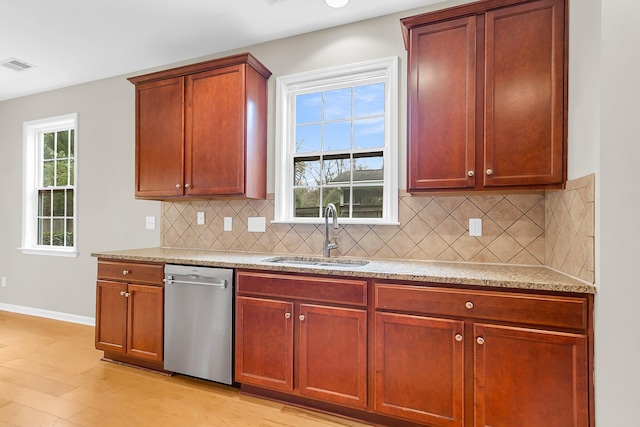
{"points": [[337, 143], [49, 186]]}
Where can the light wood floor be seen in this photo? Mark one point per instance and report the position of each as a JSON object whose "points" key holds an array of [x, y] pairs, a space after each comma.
{"points": [[51, 375]]}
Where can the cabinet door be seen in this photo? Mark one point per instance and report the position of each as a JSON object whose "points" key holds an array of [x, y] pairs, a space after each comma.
{"points": [[145, 322], [215, 133], [442, 110], [160, 138], [530, 378], [333, 354], [264, 343], [419, 368], [111, 316], [524, 94]]}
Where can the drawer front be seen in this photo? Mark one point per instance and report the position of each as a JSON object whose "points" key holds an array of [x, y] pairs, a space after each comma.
{"points": [[543, 310], [131, 272], [324, 289]]}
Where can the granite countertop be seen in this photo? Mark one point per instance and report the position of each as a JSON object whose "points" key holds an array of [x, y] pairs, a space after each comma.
{"points": [[489, 275]]}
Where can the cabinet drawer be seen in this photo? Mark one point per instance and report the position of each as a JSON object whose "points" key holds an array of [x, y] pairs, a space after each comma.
{"points": [[544, 310], [131, 272], [325, 289]]}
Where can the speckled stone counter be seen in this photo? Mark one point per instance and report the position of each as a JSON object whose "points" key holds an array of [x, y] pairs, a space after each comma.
{"points": [[489, 275]]}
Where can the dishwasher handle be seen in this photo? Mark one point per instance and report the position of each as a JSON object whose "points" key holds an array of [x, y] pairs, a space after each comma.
{"points": [[221, 284]]}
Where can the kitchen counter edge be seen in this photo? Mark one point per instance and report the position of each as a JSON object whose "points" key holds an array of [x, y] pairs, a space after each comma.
{"points": [[538, 278]]}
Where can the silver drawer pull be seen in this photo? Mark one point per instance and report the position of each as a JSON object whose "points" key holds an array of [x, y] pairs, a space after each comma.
{"points": [[469, 305], [480, 340]]}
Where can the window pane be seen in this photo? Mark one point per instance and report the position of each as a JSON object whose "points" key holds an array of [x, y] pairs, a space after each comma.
{"points": [[368, 167], [44, 232], [368, 133], [58, 203], [368, 100], [307, 202], [44, 203], [306, 171], [336, 169], [48, 170], [309, 108], [308, 138], [63, 144], [72, 143], [335, 196], [69, 232], [72, 172], [62, 172], [337, 136], [367, 202], [337, 104], [49, 145], [69, 202], [58, 232]]}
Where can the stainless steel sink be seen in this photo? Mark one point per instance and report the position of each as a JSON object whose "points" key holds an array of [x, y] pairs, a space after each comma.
{"points": [[317, 262]]}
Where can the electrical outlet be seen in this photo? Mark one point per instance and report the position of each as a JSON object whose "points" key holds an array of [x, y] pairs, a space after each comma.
{"points": [[4, 282], [228, 223], [151, 223], [200, 218], [475, 227]]}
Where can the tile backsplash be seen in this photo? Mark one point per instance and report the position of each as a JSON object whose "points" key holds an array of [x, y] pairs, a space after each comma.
{"points": [[554, 229]]}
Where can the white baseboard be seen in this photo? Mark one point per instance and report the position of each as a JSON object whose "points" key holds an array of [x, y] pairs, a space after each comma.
{"points": [[65, 317]]}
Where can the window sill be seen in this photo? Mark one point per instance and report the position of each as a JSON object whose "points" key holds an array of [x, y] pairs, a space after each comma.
{"points": [[69, 253]]}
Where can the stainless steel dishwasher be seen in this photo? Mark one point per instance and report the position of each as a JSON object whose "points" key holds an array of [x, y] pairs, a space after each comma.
{"points": [[198, 319]]}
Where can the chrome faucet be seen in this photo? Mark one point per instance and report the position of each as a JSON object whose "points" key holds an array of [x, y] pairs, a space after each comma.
{"points": [[330, 210]]}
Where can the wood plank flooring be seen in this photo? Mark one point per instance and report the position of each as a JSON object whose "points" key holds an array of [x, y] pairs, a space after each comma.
{"points": [[51, 375]]}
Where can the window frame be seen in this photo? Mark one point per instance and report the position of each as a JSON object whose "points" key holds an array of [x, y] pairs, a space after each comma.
{"points": [[32, 174], [287, 87]]}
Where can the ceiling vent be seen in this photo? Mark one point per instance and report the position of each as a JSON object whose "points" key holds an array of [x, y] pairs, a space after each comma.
{"points": [[16, 64]]}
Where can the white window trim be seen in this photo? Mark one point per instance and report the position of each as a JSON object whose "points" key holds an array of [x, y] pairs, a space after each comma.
{"points": [[31, 160], [286, 86]]}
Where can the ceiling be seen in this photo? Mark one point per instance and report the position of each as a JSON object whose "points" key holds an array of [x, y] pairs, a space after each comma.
{"points": [[75, 41]]}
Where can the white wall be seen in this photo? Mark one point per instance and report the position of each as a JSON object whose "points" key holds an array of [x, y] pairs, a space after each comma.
{"points": [[109, 217], [618, 299]]}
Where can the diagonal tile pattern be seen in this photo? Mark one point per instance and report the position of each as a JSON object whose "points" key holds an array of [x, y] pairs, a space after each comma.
{"points": [[554, 229]]}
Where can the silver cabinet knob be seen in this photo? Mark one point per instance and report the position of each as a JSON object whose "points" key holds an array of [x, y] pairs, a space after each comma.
{"points": [[480, 340], [471, 173], [122, 293], [127, 294], [178, 185], [287, 315], [125, 272], [469, 305], [301, 317], [458, 337], [187, 186], [489, 171]]}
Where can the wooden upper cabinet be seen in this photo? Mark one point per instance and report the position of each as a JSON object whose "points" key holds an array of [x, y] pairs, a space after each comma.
{"points": [[159, 138], [487, 96], [201, 130], [442, 113]]}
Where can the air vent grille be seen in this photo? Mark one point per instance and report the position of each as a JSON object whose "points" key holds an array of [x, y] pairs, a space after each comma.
{"points": [[16, 64]]}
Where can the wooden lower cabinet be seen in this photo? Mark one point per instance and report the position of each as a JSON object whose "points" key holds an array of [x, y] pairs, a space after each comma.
{"points": [[264, 342], [529, 378], [416, 354], [130, 316], [526, 363], [129, 319], [333, 354], [305, 348], [419, 367]]}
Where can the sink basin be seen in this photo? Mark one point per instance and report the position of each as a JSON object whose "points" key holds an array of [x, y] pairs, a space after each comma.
{"points": [[317, 262]]}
